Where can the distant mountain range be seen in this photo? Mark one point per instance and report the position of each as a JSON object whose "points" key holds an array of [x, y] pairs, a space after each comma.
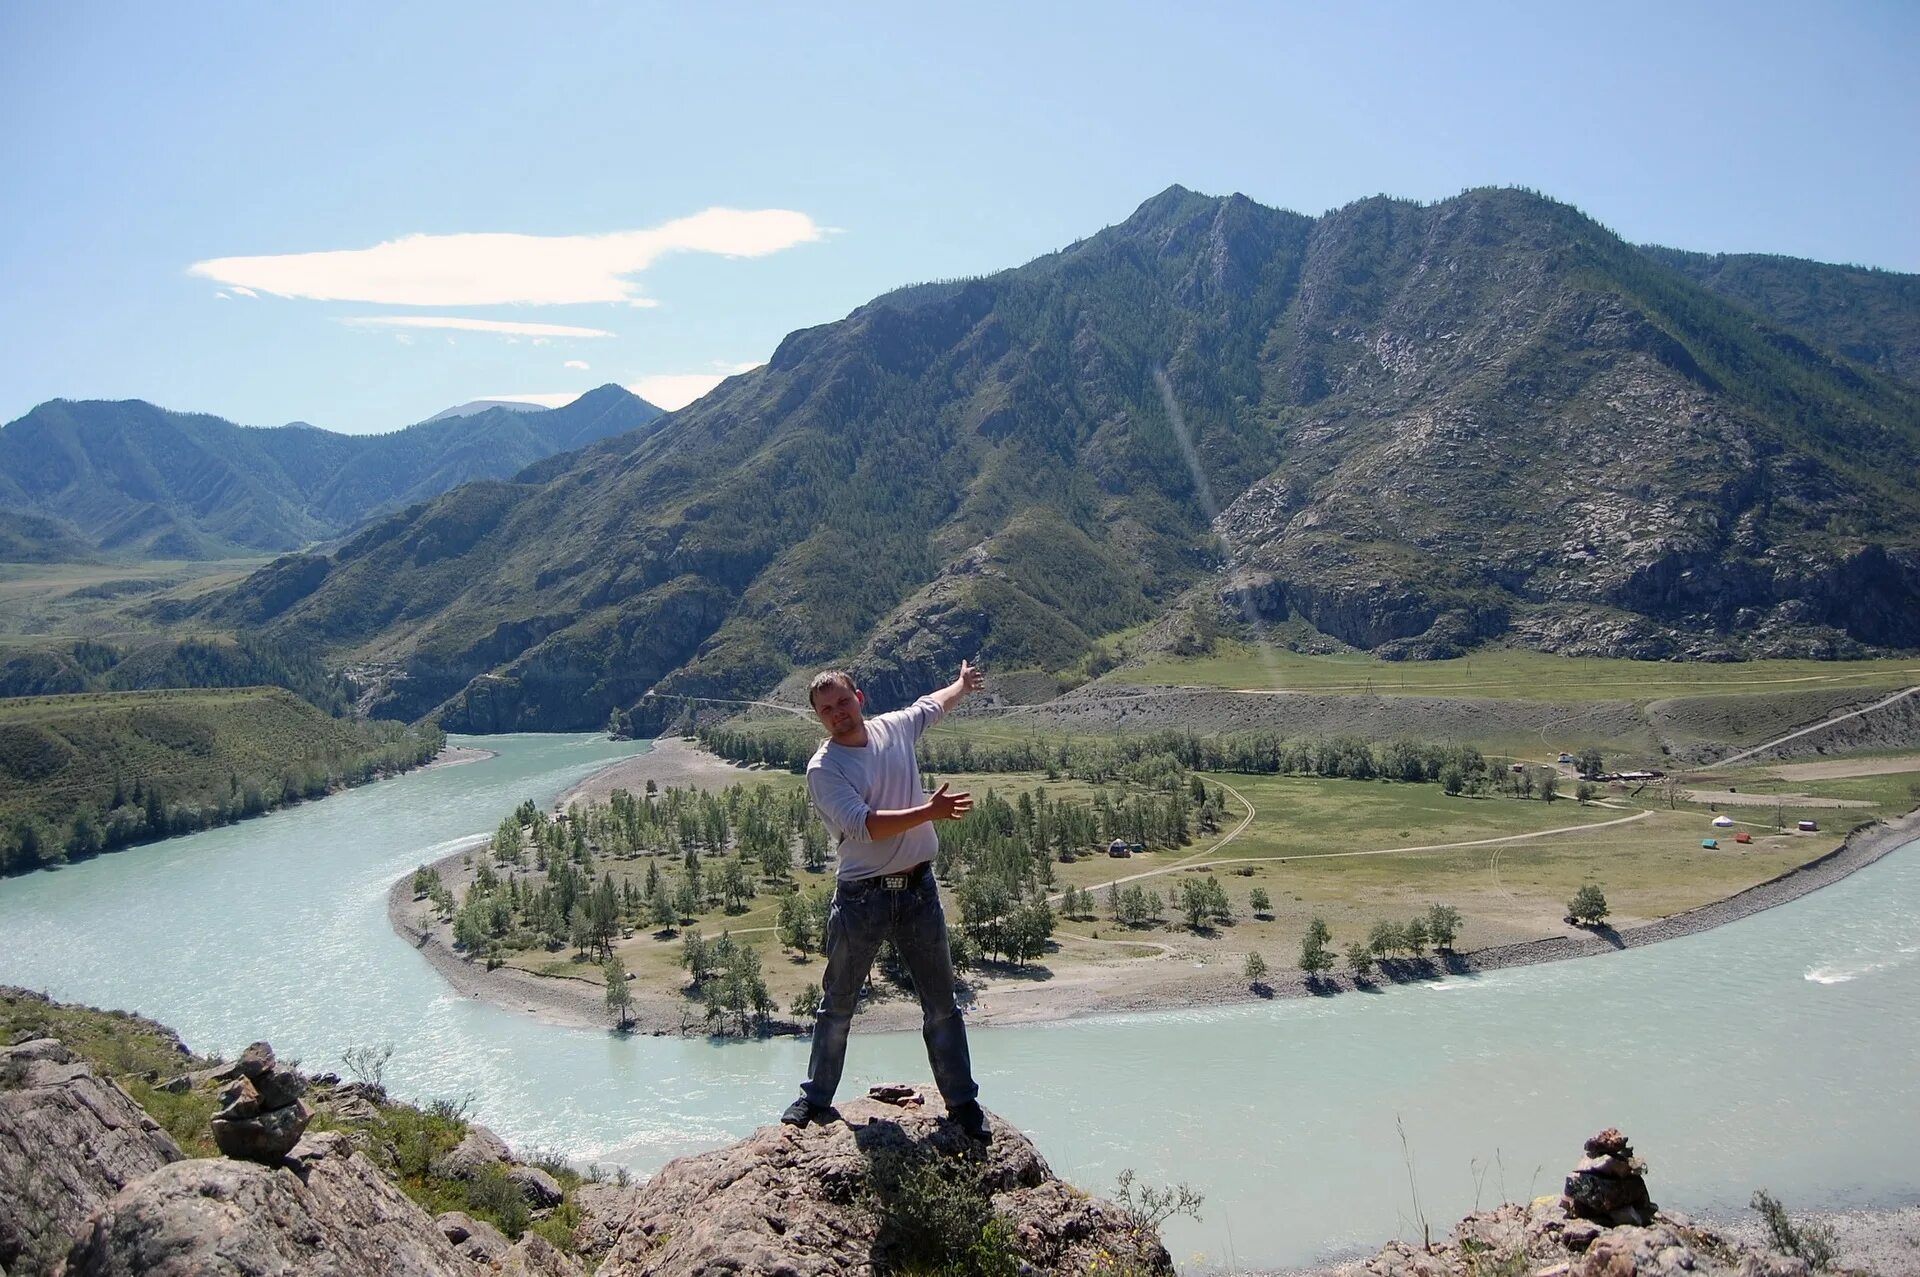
{"points": [[128, 479], [473, 406], [1414, 428]]}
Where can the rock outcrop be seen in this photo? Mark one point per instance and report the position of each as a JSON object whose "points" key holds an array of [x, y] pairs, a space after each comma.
{"points": [[69, 1141], [812, 1200], [261, 1116], [326, 1211], [1604, 1225]]}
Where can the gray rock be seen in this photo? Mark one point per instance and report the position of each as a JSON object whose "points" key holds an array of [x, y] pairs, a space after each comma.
{"points": [[266, 1138], [325, 1212], [541, 1190], [479, 1150], [477, 1239], [256, 1060], [788, 1200], [535, 1256], [69, 1140]]}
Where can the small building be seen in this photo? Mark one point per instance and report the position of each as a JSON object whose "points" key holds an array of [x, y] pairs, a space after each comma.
{"points": [[1743, 836], [1711, 844], [1118, 849], [1809, 826], [1566, 758]]}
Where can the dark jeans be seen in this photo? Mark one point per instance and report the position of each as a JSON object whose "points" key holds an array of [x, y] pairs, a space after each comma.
{"points": [[865, 913]]}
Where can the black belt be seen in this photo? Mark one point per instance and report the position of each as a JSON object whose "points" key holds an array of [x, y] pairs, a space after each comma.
{"points": [[900, 881]]}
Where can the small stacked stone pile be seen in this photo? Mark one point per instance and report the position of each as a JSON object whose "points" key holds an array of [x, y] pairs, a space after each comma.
{"points": [[261, 1116], [1609, 1185]]}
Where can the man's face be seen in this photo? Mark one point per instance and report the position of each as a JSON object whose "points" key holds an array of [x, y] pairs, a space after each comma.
{"points": [[839, 709]]}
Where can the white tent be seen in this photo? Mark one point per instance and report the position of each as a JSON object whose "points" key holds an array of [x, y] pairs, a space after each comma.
{"points": [[1723, 822]]}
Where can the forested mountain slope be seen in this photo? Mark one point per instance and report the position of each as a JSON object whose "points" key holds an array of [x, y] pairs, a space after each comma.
{"points": [[128, 478], [1417, 427]]}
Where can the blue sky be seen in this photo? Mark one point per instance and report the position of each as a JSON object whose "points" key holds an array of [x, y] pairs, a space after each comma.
{"points": [[157, 158]]}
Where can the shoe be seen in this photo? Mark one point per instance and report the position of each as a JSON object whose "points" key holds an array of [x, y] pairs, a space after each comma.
{"points": [[804, 1110], [972, 1119]]}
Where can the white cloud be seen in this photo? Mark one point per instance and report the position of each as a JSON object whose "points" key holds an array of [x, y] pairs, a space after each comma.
{"points": [[244, 292], [581, 364], [504, 327], [497, 269], [674, 390], [221, 297]]}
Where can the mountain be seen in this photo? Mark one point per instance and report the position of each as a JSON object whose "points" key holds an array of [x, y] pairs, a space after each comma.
{"points": [[128, 478], [472, 406], [1870, 316], [1415, 428]]}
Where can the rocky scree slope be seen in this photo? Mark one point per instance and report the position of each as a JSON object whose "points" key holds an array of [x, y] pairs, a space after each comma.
{"points": [[1416, 428]]}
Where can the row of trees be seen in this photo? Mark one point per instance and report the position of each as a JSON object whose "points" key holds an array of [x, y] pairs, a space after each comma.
{"points": [[146, 810], [1438, 927], [1149, 758]]}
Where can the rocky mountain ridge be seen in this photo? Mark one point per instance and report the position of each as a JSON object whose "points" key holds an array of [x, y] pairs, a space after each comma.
{"points": [[1416, 427]]}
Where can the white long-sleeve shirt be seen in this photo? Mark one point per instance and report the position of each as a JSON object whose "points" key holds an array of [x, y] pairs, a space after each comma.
{"points": [[847, 783]]}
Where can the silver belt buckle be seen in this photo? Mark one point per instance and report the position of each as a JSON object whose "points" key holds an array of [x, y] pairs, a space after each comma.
{"points": [[894, 882]]}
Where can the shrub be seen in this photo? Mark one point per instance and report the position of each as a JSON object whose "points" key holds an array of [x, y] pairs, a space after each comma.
{"points": [[935, 1215]]}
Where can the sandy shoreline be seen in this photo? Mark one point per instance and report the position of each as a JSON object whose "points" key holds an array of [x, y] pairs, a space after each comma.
{"points": [[1076, 992]]}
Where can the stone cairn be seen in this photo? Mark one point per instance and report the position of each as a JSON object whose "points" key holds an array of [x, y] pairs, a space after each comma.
{"points": [[261, 1116], [1609, 1185]]}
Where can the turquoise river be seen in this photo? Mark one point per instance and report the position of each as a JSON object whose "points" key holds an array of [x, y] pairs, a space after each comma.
{"points": [[1779, 1051]]}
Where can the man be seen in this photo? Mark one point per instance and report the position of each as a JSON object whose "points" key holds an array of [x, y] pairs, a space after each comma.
{"points": [[865, 781]]}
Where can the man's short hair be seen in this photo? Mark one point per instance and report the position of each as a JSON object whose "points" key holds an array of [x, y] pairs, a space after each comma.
{"points": [[830, 678]]}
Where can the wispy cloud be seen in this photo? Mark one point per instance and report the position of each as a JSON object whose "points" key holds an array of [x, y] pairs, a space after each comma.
{"points": [[244, 292], [497, 269], [581, 364], [502, 326]]}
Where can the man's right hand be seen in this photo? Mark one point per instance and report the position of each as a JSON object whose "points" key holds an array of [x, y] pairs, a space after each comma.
{"points": [[945, 806]]}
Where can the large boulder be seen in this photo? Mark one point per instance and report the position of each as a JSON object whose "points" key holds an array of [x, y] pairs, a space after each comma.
{"points": [[69, 1141], [325, 1211], [814, 1200]]}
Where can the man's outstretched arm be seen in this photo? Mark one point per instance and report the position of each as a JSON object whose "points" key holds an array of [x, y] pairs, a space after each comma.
{"points": [[970, 680], [942, 806]]}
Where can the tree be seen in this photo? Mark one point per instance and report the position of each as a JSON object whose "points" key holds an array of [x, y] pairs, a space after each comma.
{"points": [[1385, 938], [619, 993], [1194, 904], [1584, 791], [1256, 970], [1316, 957], [1452, 780], [1589, 764], [1588, 906], [795, 923], [806, 1003], [1359, 959], [1259, 901], [1443, 925], [694, 955], [1413, 937], [1549, 786]]}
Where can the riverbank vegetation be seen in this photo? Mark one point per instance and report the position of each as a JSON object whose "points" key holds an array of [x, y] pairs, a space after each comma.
{"points": [[95, 772], [716, 904]]}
